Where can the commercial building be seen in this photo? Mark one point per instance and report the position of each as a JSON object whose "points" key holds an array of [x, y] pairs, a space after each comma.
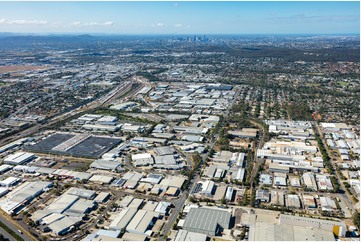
{"points": [[152, 178], [64, 225], [80, 208], [10, 181], [309, 201], [123, 219], [105, 165], [277, 198], [164, 150], [284, 232], [223, 156], [173, 181], [324, 182], [100, 127], [62, 203], [102, 197], [162, 208], [280, 181], [263, 195], [142, 221], [4, 168], [23, 194], [136, 203], [145, 159], [3, 191], [229, 194], [172, 191], [184, 235], [19, 158], [295, 181], [208, 188], [207, 221], [101, 179], [327, 204], [266, 179], [293, 201], [338, 228], [134, 237], [309, 180], [82, 193]]}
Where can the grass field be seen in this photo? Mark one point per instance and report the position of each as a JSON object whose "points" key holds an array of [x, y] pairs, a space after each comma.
{"points": [[343, 84]]}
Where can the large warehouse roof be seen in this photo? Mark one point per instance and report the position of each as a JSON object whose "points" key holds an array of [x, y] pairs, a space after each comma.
{"points": [[141, 221], [207, 221], [19, 158], [184, 235], [123, 218]]}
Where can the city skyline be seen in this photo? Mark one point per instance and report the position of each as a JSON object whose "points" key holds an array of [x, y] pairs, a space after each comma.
{"points": [[181, 17]]}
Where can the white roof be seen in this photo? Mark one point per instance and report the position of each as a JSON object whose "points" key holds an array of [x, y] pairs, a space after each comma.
{"points": [[5, 167], [101, 178], [62, 203], [102, 196], [3, 191], [9, 181], [18, 157], [141, 156], [52, 218], [63, 224], [162, 207], [141, 221]]}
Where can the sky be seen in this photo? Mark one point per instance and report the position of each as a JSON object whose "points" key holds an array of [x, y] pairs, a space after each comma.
{"points": [[181, 17]]}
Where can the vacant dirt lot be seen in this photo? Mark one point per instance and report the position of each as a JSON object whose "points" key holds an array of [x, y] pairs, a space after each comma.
{"points": [[4, 69]]}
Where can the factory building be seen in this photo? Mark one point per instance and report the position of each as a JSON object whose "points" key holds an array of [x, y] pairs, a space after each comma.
{"points": [[105, 165], [62, 203], [142, 222], [263, 195], [19, 158], [23, 194], [208, 188], [10, 181], [207, 221], [123, 219], [229, 194], [309, 180], [184, 235]]}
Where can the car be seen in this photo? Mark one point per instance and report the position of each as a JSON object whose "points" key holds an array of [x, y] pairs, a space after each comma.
{"points": [[20, 232]]}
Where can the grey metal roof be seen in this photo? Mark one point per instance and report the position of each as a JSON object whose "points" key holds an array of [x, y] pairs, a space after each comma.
{"points": [[205, 220]]}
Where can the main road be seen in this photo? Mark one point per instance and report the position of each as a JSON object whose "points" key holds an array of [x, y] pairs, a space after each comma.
{"points": [[345, 195], [15, 228], [179, 203]]}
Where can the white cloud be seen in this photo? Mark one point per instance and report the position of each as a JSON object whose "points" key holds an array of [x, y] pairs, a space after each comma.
{"points": [[76, 23], [178, 25], [160, 24], [23, 22], [107, 23]]}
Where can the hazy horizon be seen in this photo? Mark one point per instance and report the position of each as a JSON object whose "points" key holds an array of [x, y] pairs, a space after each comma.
{"points": [[177, 18]]}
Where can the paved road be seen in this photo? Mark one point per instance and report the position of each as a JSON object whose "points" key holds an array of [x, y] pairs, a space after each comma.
{"points": [[180, 201], [14, 228], [108, 98], [345, 195], [178, 208], [6, 234]]}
